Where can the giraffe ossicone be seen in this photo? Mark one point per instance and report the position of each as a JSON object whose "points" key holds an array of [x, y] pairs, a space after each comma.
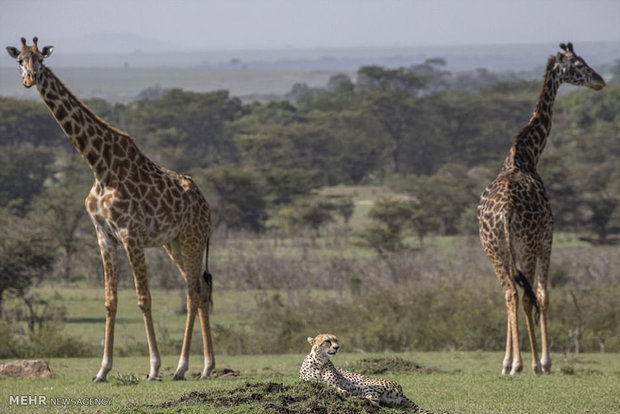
{"points": [[515, 219], [135, 203]]}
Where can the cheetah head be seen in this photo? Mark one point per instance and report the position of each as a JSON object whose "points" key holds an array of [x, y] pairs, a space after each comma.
{"points": [[324, 345]]}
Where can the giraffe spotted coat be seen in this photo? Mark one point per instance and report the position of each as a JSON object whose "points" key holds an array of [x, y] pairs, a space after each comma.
{"points": [[136, 204], [514, 214]]}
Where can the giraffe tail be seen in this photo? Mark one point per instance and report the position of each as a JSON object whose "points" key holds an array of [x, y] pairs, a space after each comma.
{"points": [[208, 278], [522, 281], [519, 277], [209, 281]]}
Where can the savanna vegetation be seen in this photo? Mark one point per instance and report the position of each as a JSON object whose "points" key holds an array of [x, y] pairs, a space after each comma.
{"points": [[348, 208]]}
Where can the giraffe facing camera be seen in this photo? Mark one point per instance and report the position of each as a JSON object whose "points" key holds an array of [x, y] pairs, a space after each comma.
{"points": [[135, 203]]}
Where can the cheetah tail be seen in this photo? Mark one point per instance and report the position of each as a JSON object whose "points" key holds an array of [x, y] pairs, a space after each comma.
{"points": [[415, 407]]}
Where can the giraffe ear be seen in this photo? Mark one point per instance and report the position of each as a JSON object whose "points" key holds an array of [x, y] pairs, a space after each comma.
{"points": [[310, 339], [47, 51], [13, 52]]}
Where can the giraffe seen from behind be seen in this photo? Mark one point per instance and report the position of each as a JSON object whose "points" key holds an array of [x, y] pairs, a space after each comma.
{"points": [[137, 204], [514, 216]]}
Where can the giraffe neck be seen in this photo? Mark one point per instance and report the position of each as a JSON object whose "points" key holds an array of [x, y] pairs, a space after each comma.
{"points": [[530, 142], [105, 149]]}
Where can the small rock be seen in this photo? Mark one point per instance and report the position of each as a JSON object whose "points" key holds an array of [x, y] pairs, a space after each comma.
{"points": [[26, 368]]}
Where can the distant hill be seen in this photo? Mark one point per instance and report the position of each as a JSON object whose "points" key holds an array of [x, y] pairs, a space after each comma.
{"points": [[120, 50], [122, 66]]}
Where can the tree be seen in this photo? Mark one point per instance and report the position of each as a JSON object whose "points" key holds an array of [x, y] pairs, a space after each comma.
{"points": [[344, 207], [28, 122], [24, 169], [315, 214], [284, 185], [236, 197], [25, 255], [185, 123], [439, 200], [391, 217], [60, 213], [389, 94]]}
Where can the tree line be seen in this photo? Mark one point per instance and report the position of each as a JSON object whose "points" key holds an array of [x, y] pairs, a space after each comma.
{"points": [[398, 127], [433, 138]]}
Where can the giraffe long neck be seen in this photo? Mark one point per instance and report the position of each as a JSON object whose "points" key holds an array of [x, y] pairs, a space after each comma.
{"points": [[530, 142], [105, 148]]}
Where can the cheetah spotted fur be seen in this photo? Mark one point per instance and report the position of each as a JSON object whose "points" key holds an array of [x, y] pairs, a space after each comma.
{"points": [[318, 367]]}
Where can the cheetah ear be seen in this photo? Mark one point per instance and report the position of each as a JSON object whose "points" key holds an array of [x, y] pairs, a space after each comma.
{"points": [[310, 340]]}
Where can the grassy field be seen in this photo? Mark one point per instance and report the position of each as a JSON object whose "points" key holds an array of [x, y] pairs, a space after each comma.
{"points": [[454, 382]]}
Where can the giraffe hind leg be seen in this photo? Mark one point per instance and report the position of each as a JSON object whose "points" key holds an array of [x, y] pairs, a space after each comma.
{"points": [[543, 301], [512, 363], [204, 308], [207, 340], [188, 259], [529, 303]]}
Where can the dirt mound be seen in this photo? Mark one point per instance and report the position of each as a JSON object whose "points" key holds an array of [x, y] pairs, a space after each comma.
{"points": [[299, 398], [377, 366]]}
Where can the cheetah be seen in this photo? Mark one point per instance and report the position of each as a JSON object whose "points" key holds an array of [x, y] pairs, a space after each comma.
{"points": [[318, 367]]}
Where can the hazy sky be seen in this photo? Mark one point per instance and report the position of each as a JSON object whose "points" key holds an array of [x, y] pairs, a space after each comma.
{"points": [[237, 24]]}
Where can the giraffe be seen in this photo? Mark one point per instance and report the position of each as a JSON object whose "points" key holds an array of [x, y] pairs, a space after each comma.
{"points": [[135, 203], [514, 216]]}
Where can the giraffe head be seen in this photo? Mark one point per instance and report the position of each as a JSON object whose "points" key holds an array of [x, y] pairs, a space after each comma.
{"points": [[30, 59], [574, 70]]}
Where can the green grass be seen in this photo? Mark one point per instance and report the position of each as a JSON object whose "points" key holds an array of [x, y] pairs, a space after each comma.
{"points": [[455, 382], [85, 317]]}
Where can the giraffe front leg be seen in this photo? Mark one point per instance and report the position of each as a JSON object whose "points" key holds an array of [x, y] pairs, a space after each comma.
{"points": [[108, 249], [137, 261]]}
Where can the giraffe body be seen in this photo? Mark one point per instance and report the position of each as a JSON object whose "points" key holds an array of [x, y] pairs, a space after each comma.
{"points": [[515, 219], [135, 203]]}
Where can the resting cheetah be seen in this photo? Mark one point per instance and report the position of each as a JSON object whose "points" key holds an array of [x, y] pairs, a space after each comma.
{"points": [[318, 367]]}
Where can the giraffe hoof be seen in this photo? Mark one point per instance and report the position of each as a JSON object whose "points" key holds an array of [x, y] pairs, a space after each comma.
{"points": [[153, 378], [178, 377], [98, 379]]}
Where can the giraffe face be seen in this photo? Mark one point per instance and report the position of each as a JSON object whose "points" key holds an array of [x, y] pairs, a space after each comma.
{"points": [[574, 69], [29, 59]]}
